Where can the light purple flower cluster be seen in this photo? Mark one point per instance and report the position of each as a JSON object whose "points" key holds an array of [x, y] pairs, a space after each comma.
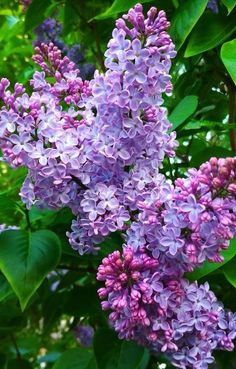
{"points": [[112, 134], [97, 147], [192, 221]]}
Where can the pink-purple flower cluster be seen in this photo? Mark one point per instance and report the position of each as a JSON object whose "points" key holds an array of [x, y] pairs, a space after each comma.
{"points": [[50, 31], [154, 306], [97, 148]]}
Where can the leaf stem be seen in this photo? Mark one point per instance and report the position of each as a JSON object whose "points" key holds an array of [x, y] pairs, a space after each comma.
{"points": [[18, 354], [27, 219], [76, 268], [232, 115]]}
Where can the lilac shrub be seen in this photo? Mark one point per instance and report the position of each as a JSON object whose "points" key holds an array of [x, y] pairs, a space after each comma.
{"points": [[97, 148]]}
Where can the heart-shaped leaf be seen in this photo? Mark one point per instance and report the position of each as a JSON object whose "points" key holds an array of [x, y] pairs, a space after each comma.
{"points": [[26, 258], [228, 57], [230, 4], [5, 288]]}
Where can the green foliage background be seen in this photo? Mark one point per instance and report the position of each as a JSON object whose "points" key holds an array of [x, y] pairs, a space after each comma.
{"points": [[38, 314]]}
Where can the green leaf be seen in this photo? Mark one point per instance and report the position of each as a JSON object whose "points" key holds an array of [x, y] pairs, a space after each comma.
{"points": [[112, 353], [19, 364], [229, 270], [201, 154], [218, 28], [35, 13], [26, 258], [77, 358], [228, 57], [5, 288], [119, 6], [3, 361], [183, 110], [82, 301], [184, 20], [208, 267], [230, 4]]}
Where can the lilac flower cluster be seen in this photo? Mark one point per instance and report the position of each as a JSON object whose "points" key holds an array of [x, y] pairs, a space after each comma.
{"points": [[163, 312], [176, 229], [97, 148], [84, 334], [213, 6], [50, 31], [192, 221]]}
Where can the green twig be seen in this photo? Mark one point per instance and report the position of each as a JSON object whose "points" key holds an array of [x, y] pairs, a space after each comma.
{"points": [[27, 217]]}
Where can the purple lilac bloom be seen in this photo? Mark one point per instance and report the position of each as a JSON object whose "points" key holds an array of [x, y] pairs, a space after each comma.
{"points": [[84, 334], [213, 6], [162, 312], [50, 31]]}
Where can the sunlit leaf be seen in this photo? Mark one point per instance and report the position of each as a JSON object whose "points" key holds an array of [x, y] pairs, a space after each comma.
{"points": [[218, 28], [183, 110], [184, 20], [119, 6], [228, 56], [230, 4]]}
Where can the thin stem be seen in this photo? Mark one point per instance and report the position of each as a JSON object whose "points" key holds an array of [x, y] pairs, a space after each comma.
{"points": [[27, 219], [99, 50], [18, 354], [170, 168], [98, 53], [76, 268], [232, 115], [76, 180]]}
